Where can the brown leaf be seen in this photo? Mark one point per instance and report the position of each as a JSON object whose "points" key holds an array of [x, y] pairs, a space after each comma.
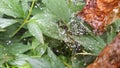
{"points": [[109, 57], [100, 13]]}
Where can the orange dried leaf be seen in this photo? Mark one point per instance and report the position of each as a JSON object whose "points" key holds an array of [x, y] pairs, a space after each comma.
{"points": [[109, 57], [100, 13]]}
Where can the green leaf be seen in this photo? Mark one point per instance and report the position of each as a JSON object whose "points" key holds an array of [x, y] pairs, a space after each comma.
{"points": [[2, 51], [1, 14], [53, 43], [11, 8], [110, 35], [117, 25], [25, 6], [93, 44], [41, 47], [46, 61], [35, 44], [27, 65], [20, 61], [76, 5], [58, 8], [35, 31], [40, 62], [2, 30], [48, 25], [5, 36], [53, 59], [18, 48], [26, 35], [4, 55], [6, 22], [77, 62]]}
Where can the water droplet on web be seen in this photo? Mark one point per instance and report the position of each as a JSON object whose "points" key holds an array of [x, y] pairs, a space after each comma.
{"points": [[85, 64], [35, 6], [8, 42], [41, 8]]}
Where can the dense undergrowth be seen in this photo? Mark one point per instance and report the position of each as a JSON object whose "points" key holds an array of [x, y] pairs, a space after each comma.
{"points": [[47, 34]]}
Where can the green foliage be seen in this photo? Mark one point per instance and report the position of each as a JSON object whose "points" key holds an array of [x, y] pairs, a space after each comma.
{"points": [[47, 24], [12, 8], [40, 34], [20, 48], [97, 42], [35, 31], [6, 22], [58, 8], [47, 61]]}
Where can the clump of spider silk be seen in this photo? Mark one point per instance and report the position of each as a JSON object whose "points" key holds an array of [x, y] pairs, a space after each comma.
{"points": [[76, 26], [63, 29]]}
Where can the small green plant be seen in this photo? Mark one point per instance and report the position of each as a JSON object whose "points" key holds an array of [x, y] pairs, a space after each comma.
{"points": [[46, 34]]}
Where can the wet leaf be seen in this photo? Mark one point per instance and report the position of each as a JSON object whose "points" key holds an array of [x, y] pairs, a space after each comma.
{"points": [[77, 63], [46, 61], [11, 8], [18, 48], [4, 55], [48, 25], [25, 6], [53, 59], [93, 44], [35, 31], [26, 35], [6, 22], [2, 51], [20, 61], [1, 14], [58, 8], [42, 49], [2, 30], [35, 43], [27, 65], [40, 62]]}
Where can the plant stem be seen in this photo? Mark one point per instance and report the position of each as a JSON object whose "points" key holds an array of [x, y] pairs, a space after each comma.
{"points": [[7, 66], [69, 66], [26, 19]]}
